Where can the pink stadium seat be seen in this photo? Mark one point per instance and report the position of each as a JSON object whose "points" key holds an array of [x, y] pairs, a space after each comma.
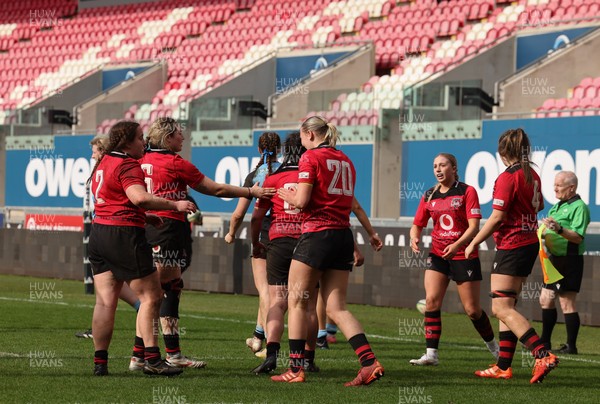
{"points": [[548, 104], [590, 92], [578, 92], [560, 103]]}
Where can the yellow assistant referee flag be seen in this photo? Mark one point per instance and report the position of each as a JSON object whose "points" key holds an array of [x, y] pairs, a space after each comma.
{"points": [[551, 274]]}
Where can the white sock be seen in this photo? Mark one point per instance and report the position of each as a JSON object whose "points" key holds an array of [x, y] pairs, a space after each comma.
{"points": [[432, 353], [492, 345]]}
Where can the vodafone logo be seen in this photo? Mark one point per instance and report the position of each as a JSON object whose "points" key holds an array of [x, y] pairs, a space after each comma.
{"points": [[446, 222]]}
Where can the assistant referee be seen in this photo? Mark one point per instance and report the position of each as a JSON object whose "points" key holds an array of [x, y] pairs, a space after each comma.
{"points": [[566, 224]]}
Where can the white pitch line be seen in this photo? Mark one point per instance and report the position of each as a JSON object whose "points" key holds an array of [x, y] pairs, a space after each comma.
{"points": [[230, 320]]}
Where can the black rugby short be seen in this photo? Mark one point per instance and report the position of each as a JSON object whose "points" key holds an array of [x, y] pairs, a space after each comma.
{"points": [[326, 249], [516, 262], [457, 270], [120, 249], [279, 258]]}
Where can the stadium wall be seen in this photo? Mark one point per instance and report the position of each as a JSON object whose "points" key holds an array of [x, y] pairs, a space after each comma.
{"points": [[115, 101], [488, 66], [528, 89], [74, 93], [258, 82], [391, 277], [317, 92]]}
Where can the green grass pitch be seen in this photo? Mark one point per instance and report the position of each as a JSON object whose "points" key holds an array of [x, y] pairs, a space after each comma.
{"points": [[42, 361]]}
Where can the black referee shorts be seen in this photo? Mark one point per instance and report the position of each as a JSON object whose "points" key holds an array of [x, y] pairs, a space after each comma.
{"points": [[571, 267]]}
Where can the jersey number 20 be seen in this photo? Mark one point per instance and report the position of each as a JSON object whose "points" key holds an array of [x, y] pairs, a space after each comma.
{"points": [[340, 169]]}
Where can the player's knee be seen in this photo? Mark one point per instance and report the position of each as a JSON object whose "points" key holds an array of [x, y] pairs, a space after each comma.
{"points": [[333, 313], [473, 311], [433, 303]]}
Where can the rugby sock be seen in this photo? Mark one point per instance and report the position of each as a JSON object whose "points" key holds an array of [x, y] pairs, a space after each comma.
{"points": [[297, 354], [138, 347], [101, 356], [259, 332], [322, 334], [532, 342], [136, 305], [549, 317], [152, 355], [508, 346], [572, 323], [363, 350], [273, 348], [172, 344], [483, 327], [433, 328], [310, 356], [331, 328]]}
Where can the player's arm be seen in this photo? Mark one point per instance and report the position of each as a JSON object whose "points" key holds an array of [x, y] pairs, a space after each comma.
{"points": [[297, 197], [359, 258], [415, 237], [362, 217], [420, 221], [236, 219], [139, 197], [490, 226], [451, 250], [258, 214], [212, 188]]}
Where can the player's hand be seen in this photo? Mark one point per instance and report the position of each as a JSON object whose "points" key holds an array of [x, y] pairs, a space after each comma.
{"points": [[258, 249], [229, 238], [450, 251], [376, 242], [414, 245], [154, 220], [287, 194], [258, 192], [359, 259], [469, 250], [185, 206]]}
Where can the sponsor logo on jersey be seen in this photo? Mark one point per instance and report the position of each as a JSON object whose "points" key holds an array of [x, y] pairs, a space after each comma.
{"points": [[498, 202], [476, 211], [156, 249], [433, 204], [303, 175]]}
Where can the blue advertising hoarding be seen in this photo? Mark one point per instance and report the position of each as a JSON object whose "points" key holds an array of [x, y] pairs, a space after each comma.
{"points": [[533, 47], [49, 176], [290, 70], [571, 144], [55, 176]]}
